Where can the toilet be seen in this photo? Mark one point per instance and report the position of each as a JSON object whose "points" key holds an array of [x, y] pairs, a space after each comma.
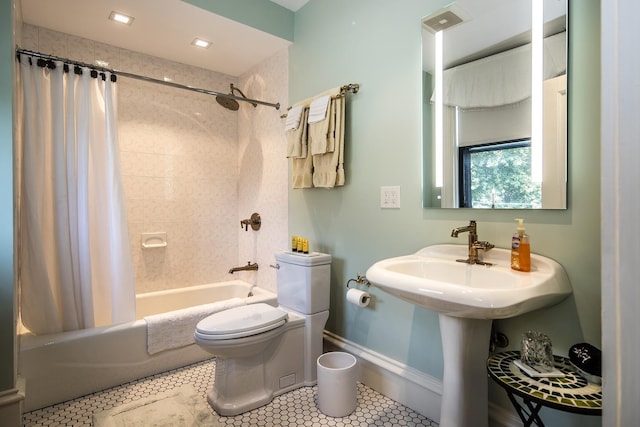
{"points": [[263, 351]]}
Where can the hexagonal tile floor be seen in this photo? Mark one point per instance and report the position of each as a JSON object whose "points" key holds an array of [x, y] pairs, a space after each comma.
{"points": [[293, 409]]}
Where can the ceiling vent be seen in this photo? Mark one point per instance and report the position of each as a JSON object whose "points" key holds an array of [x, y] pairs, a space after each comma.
{"points": [[442, 20]]}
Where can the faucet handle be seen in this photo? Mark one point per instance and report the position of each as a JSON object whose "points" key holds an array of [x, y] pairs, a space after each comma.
{"points": [[477, 251], [255, 221], [484, 245]]}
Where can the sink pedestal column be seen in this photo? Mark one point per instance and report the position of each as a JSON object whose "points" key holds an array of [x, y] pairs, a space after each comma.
{"points": [[465, 347]]}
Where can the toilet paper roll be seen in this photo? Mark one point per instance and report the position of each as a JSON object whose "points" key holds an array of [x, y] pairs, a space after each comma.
{"points": [[358, 297]]}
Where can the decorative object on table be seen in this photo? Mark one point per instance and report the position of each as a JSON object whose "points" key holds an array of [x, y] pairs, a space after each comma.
{"points": [[535, 372], [587, 360], [536, 351]]}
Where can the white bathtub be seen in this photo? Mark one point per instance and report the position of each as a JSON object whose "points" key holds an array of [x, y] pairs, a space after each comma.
{"points": [[59, 367]]}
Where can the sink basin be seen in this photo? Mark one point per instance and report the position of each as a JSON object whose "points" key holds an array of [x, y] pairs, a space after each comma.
{"points": [[467, 298], [432, 278]]}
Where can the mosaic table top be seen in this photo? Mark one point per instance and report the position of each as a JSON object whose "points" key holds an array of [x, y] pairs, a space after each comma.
{"points": [[571, 393]]}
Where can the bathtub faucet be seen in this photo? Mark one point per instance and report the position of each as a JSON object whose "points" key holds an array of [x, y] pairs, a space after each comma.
{"points": [[247, 267]]}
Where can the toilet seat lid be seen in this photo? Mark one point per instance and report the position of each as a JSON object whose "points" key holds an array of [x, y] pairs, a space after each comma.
{"points": [[241, 321]]}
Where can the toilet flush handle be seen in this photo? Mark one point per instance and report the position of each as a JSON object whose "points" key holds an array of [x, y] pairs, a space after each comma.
{"points": [[277, 266]]}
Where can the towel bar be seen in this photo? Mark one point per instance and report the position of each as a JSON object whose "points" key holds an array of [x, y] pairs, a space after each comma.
{"points": [[351, 87]]}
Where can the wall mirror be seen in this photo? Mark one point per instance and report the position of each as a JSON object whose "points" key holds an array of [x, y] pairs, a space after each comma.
{"points": [[495, 105]]}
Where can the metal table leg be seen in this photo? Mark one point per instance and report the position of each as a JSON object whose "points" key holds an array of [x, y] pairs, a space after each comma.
{"points": [[528, 417]]}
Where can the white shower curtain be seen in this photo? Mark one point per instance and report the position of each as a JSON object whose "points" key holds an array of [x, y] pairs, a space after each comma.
{"points": [[75, 266]]}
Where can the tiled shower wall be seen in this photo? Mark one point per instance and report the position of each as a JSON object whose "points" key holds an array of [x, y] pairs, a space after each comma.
{"points": [[182, 158], [263, 168]]}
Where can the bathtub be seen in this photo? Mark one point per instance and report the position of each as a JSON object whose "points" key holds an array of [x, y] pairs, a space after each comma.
{"points": [[59, 367]]}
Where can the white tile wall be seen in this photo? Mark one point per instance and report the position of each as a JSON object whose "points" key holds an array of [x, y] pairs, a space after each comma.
{"points": [[263, 174], [192, 168]]}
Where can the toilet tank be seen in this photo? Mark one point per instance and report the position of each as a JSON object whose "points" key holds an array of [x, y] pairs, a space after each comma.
{"points": [[304, 281]]}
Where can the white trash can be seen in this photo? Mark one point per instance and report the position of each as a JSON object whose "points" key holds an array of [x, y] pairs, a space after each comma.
{"points": [[337, 388]]}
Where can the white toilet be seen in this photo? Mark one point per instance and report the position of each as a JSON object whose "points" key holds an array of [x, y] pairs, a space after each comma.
{"points": [[263, 351]]}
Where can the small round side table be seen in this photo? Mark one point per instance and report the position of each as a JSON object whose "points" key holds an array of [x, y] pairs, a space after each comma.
{"points": [[570, 393]]}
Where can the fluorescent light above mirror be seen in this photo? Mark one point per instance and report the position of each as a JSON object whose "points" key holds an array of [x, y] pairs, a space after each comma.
{"points": [[439, 114], [537, 23]]}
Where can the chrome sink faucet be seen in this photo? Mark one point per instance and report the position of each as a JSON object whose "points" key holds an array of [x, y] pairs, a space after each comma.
{"points": [[475, 246]]}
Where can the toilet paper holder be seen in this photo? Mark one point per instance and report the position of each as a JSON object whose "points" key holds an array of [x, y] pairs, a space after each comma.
{"points": [[360, 279], [361, 298]]}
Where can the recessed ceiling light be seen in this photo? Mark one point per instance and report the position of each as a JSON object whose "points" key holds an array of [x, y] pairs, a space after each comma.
{"points": [[121, 17], [201, 43]]}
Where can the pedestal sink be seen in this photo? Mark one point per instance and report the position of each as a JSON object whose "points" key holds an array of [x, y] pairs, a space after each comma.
{"points": [[468, 297]]}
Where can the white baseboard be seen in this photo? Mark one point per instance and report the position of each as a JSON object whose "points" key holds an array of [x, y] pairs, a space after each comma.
{"points": [[402, 383], [11, 407], [408, 386]]}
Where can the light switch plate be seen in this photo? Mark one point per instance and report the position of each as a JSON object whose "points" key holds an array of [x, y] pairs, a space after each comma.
{"points": [[390, 197]]}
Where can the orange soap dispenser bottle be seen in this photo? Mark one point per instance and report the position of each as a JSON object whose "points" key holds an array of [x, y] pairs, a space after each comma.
{"points": [[520, 249]]}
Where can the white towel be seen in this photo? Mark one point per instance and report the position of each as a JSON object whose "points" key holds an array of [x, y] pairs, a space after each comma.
{"points": [[302, 172], [297, 138], [319, 135], [318, 109], [293, 118], [328, 168], [176, 328]]}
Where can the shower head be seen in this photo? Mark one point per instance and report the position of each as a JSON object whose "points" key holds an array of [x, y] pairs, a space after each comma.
{"points": [[230, 103]]}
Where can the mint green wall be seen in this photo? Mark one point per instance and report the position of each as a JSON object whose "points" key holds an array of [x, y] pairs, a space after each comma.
{"points": [[7, 292], [263, 15], [376, 43]]}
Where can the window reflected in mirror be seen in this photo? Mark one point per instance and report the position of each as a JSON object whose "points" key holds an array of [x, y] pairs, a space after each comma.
{"points": [[498, 176]]}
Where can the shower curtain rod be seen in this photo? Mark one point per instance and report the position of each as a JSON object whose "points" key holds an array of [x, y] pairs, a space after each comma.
{"points": [[144, 78]]}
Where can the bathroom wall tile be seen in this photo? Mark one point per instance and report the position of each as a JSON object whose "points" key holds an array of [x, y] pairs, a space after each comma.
{"points": [[156, 211], [108, 53], [135, 210], [128, 60], [177, 166], [29, 37], [179, 188], [133, 186], [52, 42], [152, 165], [142, 164], [129, 163], [80, 49], [153, 187]]}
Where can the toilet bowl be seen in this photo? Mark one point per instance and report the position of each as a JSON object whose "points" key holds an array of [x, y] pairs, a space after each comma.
{"points": [[243, 332], [263, 351]]}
